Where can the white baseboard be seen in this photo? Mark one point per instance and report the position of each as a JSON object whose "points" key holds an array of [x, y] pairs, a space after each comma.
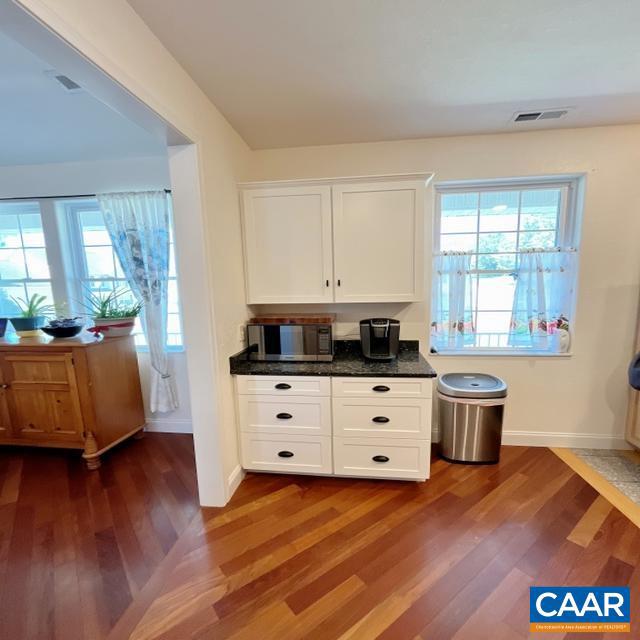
{"points": [[234, 480], [169, 426], [555, 439], [559, 439]]}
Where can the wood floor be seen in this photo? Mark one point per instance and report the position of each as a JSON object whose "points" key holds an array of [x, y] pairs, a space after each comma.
{"points": [[125, 552]]}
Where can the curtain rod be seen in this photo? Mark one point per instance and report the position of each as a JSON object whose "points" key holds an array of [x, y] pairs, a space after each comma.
{"points": [[80, 195]]}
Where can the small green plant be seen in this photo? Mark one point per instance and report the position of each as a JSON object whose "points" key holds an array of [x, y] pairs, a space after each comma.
{"points": [[108, 305], [33, 307]]}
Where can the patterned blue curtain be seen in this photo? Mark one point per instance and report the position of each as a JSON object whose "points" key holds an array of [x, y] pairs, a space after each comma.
{"points": [[138, 224]]}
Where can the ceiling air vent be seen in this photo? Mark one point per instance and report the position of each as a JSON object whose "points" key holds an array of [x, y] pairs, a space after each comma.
{"points": [[68, 83], [549, 114], [65, 81]]}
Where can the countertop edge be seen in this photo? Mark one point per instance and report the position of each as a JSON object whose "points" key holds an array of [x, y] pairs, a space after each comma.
{"points": [[420, 368]]}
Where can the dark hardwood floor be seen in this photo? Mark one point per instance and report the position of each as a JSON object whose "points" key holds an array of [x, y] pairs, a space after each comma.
{"points": [[77, 546], [126, 553]]}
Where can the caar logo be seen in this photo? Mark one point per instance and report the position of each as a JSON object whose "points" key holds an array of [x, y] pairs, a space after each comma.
{"points": [[592, 609]]}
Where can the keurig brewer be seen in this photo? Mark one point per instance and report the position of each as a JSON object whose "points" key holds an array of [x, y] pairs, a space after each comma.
{"points": [[380, 338]]}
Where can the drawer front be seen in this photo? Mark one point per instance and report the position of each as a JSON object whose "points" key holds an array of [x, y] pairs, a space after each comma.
{"points": [[382, 418], [284, 385], [382, 387], [394, 459], [286, 453], [285, 414]]}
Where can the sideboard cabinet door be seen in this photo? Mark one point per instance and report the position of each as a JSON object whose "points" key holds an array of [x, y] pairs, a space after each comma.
{"points": [[43, 398]]}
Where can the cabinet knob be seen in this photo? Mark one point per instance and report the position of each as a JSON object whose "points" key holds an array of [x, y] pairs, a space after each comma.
{"points": [[380, 419], [284, 416], [338, 282], [380, 388], [4, 386], [327, 283], [285, 454], [283, 385], [380, 459]]}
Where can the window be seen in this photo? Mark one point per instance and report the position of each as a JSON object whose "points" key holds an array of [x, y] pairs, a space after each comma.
{"points": [[65, 257], [24, 267], [495, 222], [98, 268]]}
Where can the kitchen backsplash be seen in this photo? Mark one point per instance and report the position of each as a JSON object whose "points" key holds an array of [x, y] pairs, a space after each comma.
{"points": [[413, 320]]}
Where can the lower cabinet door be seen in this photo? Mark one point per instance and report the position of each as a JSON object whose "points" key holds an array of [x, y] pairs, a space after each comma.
{"points": [[286, 453], [382, 458]]}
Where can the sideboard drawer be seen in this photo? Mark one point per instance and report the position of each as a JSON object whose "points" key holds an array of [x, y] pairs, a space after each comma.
{"points": [[382, 418], [284, 385], [286, 453], [382, 458], [381, 387], [285, 414]]}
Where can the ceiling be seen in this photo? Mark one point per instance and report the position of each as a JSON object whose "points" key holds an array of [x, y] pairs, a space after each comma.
{"points": [[306, 72], [40, 122]]}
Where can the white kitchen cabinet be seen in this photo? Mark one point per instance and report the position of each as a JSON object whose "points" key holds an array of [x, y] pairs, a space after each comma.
{"points": [[287, 244], [379, 241], [335, 241], [335, 426]]}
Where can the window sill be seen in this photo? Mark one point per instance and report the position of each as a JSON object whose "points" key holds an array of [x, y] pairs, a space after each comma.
{"points": [[500, 354], [141, 349]]}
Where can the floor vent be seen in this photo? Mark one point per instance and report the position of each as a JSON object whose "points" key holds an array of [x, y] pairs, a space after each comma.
{"points": [[530, 116]]}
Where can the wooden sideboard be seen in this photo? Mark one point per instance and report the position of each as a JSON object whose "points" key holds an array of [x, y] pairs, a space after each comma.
{"points": [[79, 393]]}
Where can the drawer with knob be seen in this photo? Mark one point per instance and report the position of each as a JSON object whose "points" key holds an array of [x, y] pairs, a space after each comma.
{"points": [[381, 387], [285, 453], [381, 458], [285, 414], [310, 386], [382, 418]]}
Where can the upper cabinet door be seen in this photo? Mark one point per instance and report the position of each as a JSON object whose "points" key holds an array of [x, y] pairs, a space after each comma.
{"points": [[379, 241], [288, 251]]}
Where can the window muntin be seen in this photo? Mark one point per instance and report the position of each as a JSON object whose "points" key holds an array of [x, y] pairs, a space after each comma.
{"points": [[24, 265], [494, 222]]}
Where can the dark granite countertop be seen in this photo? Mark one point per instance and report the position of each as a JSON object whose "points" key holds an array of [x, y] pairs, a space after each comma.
{"points": [[347, 361]]}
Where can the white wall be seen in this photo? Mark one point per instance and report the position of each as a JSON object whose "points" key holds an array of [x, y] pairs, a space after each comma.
{"points": [[579, 400], [79, 178]]}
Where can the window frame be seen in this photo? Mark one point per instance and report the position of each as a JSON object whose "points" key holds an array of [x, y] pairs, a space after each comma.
{"points": [[69, 209], [54, 268], [571, 187]]}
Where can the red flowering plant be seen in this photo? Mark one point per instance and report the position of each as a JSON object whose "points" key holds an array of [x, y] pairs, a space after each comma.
{"points": [[561, 322]]}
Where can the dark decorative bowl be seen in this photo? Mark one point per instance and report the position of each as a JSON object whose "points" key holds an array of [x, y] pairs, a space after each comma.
{"points": [[68, 331]]}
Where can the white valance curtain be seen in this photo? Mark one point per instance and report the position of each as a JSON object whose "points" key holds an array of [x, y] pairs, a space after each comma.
{"points": [[541, 317], [451, 317], [138, 224]]}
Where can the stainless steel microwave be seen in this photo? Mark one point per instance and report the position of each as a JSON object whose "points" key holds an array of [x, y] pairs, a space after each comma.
{"points": [[290, 342]]}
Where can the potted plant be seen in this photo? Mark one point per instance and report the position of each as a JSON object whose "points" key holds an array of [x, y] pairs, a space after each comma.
{"points": [[112, 316], [32, 315]]}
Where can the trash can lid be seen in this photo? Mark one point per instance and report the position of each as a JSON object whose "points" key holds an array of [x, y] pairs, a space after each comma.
{"points": [[472, 385]]}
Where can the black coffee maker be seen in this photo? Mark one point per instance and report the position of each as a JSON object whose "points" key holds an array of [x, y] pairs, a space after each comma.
{"points": [[380, 338]]}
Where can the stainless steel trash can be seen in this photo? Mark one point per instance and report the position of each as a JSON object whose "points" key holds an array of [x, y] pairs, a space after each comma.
{"points": [[471, 407]]}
